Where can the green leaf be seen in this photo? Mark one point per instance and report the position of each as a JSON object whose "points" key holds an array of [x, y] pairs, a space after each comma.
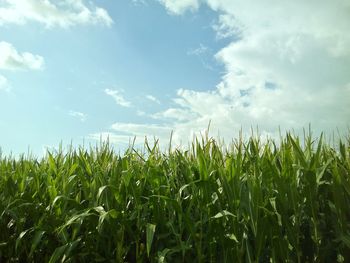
{"points": [[150, 230], [52, 163], [162, 255], [223, 213], [113, 213], [299, 153], [346, 240], [232, 237], [36, 240], [58, 254], [72, 169], [21, 236], [342, 150], [100, 191]]}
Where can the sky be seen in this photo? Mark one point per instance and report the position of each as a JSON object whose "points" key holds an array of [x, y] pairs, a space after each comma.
{"points": [[76, 71]]}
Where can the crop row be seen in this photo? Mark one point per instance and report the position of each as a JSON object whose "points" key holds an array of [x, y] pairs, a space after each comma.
{"points": [[253, 202]]}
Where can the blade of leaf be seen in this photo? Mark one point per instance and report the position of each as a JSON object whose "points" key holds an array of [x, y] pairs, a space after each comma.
{"points": [[150, 229]]}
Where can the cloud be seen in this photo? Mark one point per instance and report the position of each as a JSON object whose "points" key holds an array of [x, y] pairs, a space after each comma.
{"points": [[139, 2], [118, 97], [4, 84], [203, 53], [139, 129], [175, 114], [280, 70], [11, 59], [140, 113], [76, 114], [152, 98], [180, 6], [180, 134], [113, 138], [202, 49], [64, 13], [124, 141]]}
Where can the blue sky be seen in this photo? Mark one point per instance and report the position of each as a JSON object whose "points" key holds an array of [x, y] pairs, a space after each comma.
{"points": [[84, 70]]}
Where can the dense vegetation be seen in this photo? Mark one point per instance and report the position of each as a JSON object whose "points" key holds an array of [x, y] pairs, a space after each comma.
{"points": [[256, 202]]}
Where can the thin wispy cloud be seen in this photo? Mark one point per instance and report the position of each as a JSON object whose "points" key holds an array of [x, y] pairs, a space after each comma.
{"points": [[4, 84], [11, 59], [180, 6], [204, 55], [140, 113], [118, 97], [111, 137], [65, 14], [202, 49], [79, 115], [175, 114], [152, 98], [139, 2], [147, 130]]}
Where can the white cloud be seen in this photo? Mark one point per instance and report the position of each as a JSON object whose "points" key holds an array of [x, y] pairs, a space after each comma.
{"points": [[180, 6], [140, 113], [11, 59], [4, 84], [122, 139], [227, 26], [63, 13], [139, 2], [76, 114], [118, 97], [127, 132], [202, 49], [204, 55], [111, 137], [140, 129], [176, 114], [152, 98], [281, 70]]}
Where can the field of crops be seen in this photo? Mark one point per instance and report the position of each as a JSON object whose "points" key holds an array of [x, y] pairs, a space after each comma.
{"points": [[285, 201]]}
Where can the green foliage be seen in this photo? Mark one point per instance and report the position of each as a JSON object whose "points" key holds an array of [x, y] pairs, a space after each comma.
{"points": [[256, 202]]}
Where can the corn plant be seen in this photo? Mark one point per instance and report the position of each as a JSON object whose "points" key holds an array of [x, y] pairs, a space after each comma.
{"points": [[253, 201]]}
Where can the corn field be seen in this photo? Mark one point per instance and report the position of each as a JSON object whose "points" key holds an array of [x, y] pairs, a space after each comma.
{"points": [[254, 201]]}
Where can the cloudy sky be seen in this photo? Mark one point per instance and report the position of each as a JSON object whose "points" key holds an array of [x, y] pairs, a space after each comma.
{"points": [[76, 70]]}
